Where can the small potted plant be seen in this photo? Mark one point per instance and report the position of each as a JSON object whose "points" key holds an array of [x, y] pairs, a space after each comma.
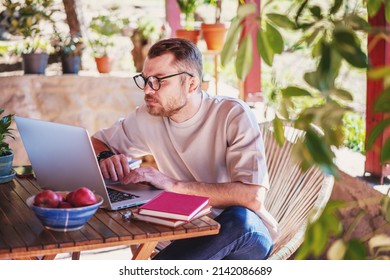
{"points": [[6, 153], [25, 19], [103, 28], [188, 9], [148, 31], [214, 33], [69, 48]]}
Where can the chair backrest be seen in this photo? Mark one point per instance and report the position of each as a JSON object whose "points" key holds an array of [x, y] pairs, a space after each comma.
{"points": [[294, 195]]}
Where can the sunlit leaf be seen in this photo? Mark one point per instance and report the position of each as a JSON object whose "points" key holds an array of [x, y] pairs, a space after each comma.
{"points": [[373, 7], [385, 152], [264, 47], [337, 250], [378, 72], [244, 58], [231, 42], [356, 250], [247, 9], [377, 130], [342, 94], [382, 104], [310, 39], [387, 11], [295, 91], [275, 39], [357, 22], [278, 131], [281, 21], [385, 202], [377, 242]]}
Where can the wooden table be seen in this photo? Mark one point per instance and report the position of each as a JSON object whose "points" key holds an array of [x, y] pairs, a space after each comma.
{"points": [[22, 235]]}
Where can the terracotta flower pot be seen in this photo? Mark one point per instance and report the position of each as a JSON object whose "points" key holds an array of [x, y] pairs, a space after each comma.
{"points": [[214, 35], [190, 35], [103, 64]]}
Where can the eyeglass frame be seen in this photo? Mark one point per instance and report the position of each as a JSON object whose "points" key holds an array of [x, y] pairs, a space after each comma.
{"points": [[146, 80]]}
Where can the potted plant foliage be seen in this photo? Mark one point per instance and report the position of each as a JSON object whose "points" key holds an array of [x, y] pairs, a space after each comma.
{"points": [[6, 153], [188, 9], [148, 31], [103, 28], [69, 48], [214, 33], [25, 20]]}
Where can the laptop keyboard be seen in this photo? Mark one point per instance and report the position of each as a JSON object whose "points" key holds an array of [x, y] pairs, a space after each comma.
{"points": [[116, 196]]}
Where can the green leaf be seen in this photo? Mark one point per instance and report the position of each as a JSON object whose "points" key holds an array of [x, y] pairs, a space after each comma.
{"points": [[385, 202], [373, 7], [310, 39], [275, 39], [264, 48], [387, 10], [232, 39], [346, 44], [342, 94], [320, 151], [295, 91], [337, 250], [378, 72], [385, 152], [244, 57], [356, 250], [336, 6], [312, 79], [281, 21], [377, 130], [278, 131], [382, 104], [357, 22], [245, 10], [316, 12]]}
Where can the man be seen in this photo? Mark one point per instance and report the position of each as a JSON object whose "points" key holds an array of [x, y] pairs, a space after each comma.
{"points": [[202, 145]]}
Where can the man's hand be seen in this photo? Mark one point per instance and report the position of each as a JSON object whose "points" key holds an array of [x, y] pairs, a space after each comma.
{"points": [[115, 167], [148, 175]]}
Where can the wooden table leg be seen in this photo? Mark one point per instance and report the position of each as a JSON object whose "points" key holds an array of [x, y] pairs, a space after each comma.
{"points": [[49, 257], [144, 251], [76, 255]]}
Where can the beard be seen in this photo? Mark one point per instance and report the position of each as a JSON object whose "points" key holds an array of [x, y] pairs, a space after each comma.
{"points": [[173, 106]]}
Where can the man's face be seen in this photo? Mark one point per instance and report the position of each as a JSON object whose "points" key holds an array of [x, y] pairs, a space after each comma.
{"points": [[172, 95]]}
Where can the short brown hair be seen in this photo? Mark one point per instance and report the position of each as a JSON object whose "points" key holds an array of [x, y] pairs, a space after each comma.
{"points": [[186, 53]]}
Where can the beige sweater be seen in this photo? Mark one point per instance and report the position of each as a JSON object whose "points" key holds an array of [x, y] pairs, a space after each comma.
{"points": [[220, 143]]}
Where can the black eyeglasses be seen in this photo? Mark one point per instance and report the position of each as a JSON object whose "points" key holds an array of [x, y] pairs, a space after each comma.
{"points": [[153, 81]]}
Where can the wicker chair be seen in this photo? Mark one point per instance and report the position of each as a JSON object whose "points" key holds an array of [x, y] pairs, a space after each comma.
{"points": [[294, 195]]}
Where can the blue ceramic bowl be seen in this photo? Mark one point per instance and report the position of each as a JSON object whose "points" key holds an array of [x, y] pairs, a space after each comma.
{"points": [[64, 219]]}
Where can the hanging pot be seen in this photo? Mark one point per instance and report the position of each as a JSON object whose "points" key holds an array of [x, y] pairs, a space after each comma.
{"points": [[35, 63], [70, 64]]}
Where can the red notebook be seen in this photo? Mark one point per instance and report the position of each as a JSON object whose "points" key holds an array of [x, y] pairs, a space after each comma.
{"points": [[168, 222], [174, 206]]}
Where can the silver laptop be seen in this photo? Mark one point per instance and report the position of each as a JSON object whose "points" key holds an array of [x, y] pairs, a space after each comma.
{"points": [[63, 159]]}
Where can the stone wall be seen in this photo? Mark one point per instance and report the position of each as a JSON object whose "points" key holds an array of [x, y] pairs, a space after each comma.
{"points": [[92, 102]]}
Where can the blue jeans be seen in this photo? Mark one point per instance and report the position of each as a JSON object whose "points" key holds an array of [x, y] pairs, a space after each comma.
{"points": [[242, 236]]}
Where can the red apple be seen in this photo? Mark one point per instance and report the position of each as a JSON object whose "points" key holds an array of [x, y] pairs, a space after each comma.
{"points": [[69, 197], [47, 198], [64, 204], [83, 196]]}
